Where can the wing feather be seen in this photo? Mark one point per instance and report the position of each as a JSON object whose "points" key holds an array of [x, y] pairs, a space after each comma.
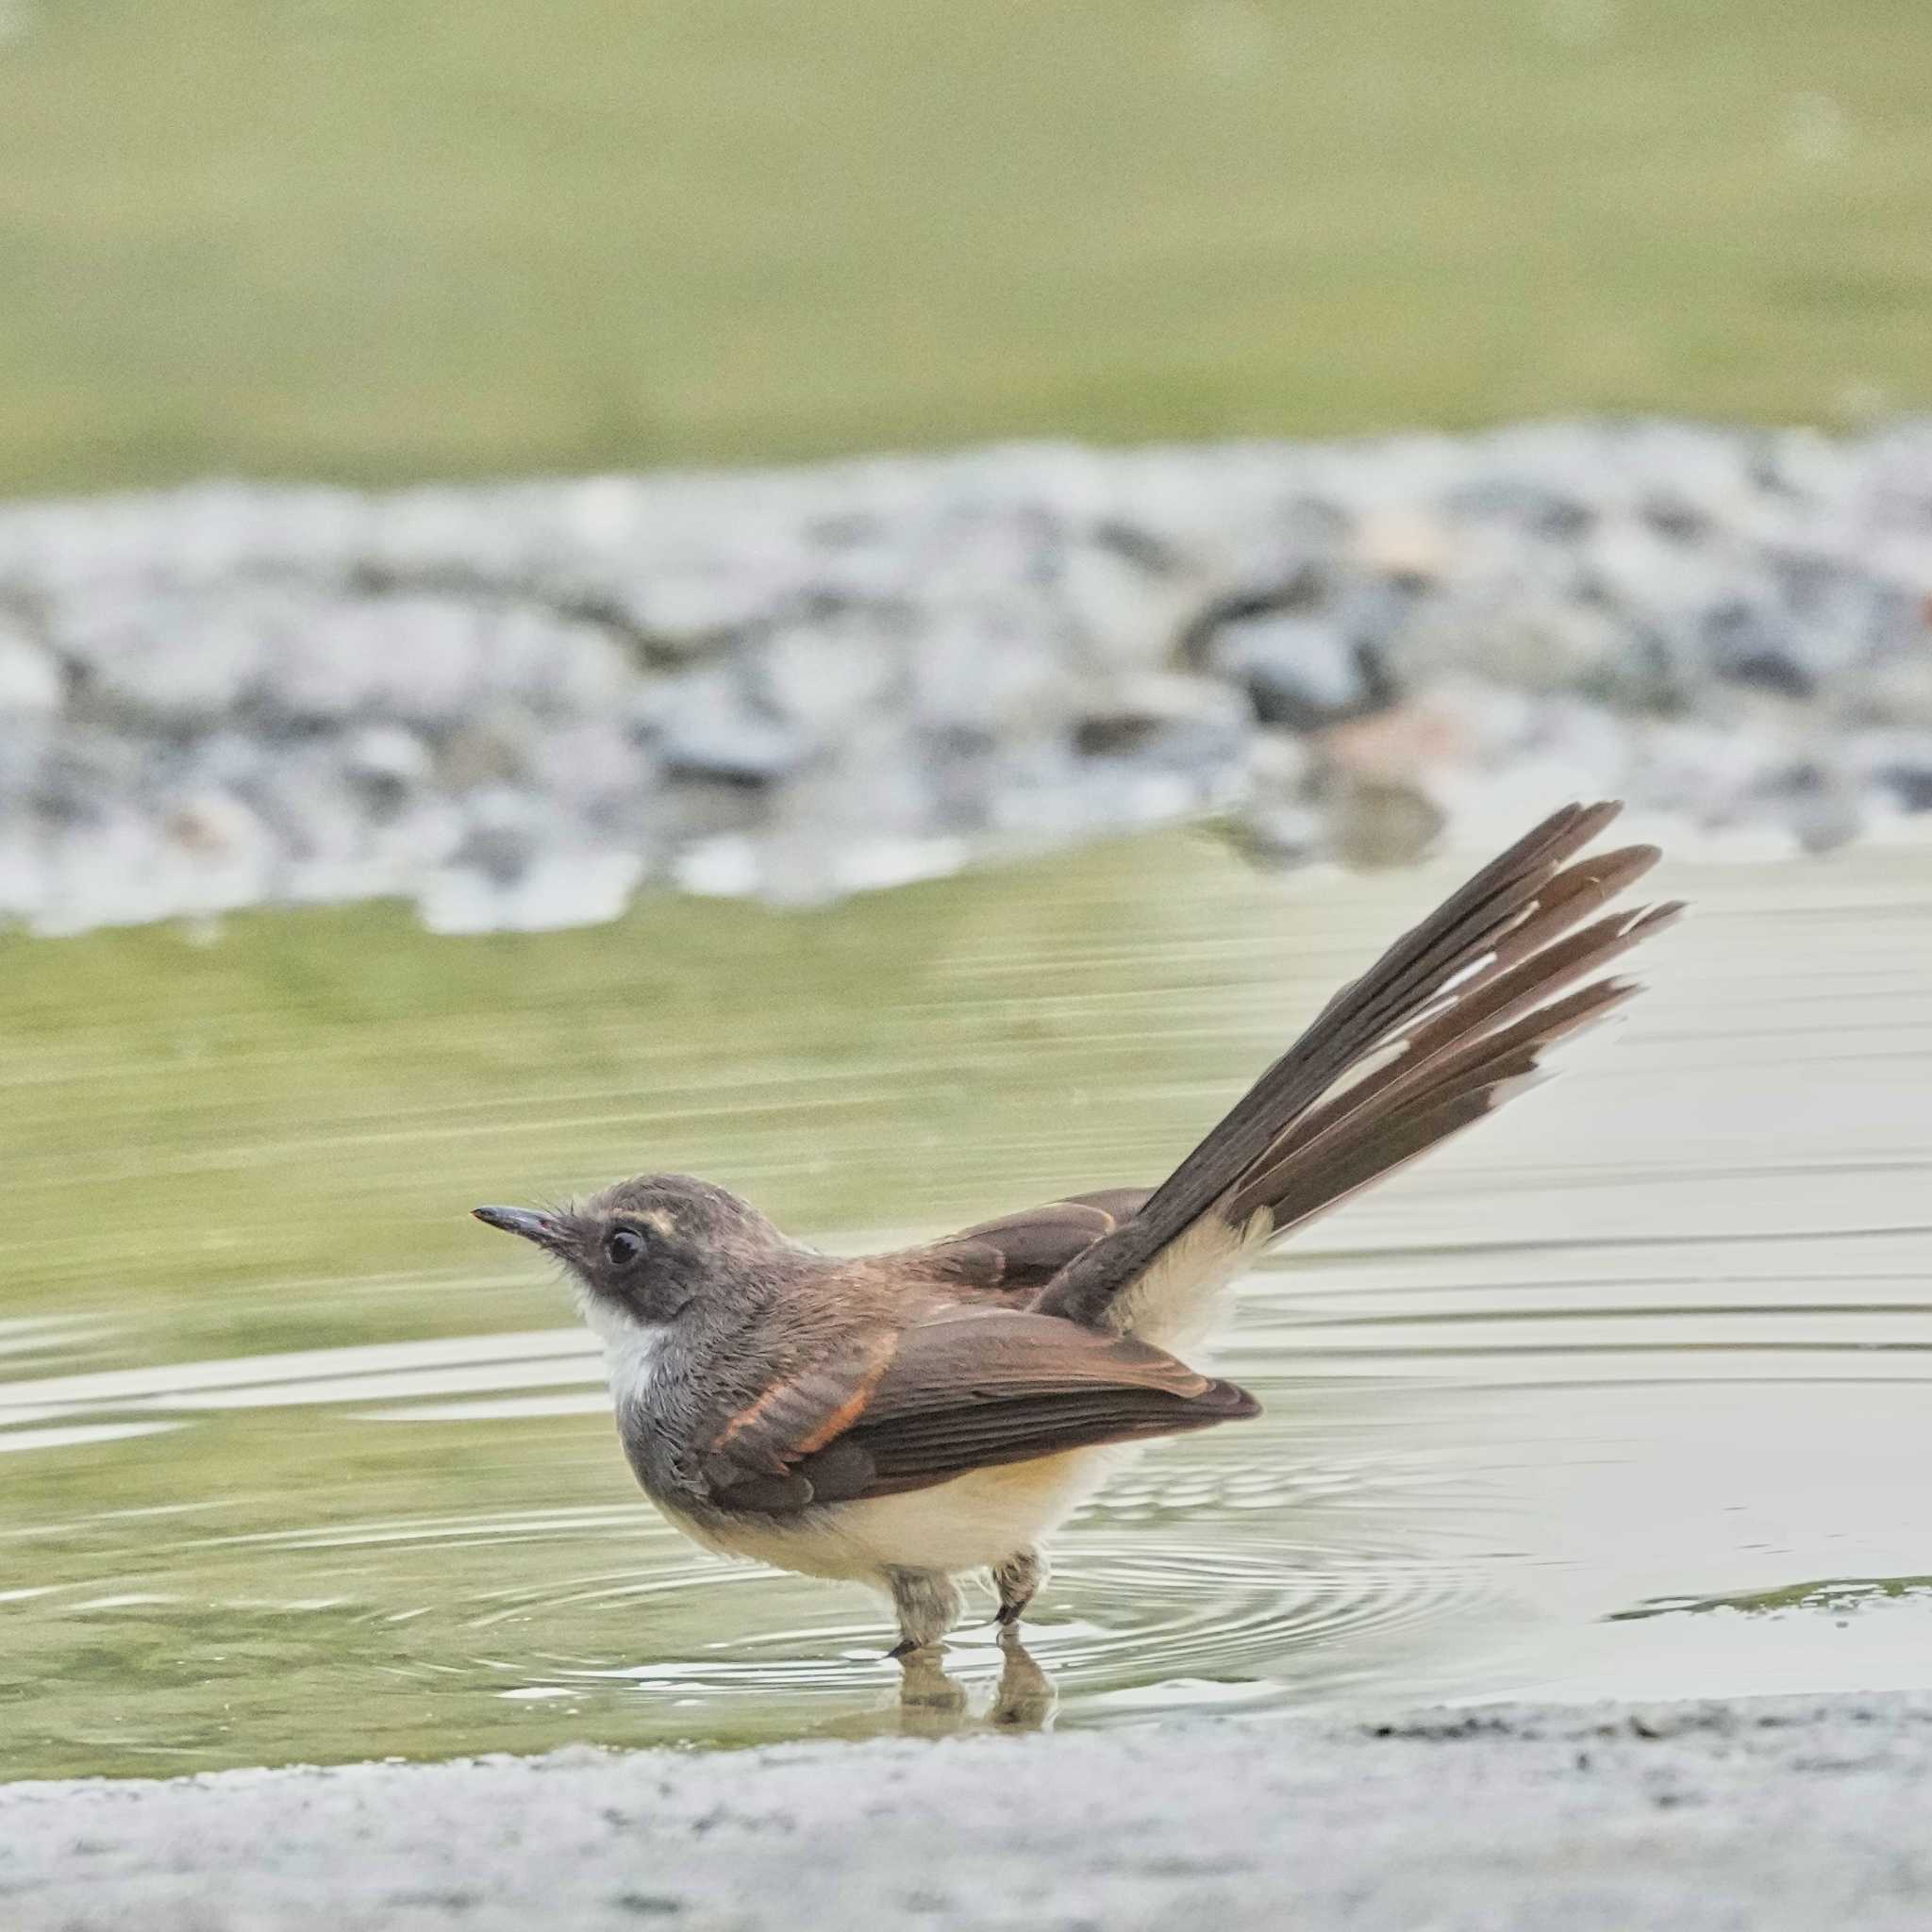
{"points": [[1025, 1250], [968, 1388]]}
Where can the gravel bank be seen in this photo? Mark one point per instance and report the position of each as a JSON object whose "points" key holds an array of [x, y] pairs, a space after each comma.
{"points": [[1761, 1814], [517, 705]]}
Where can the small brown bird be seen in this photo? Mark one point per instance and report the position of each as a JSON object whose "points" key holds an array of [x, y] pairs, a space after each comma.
{"points": [[907, 1418]]}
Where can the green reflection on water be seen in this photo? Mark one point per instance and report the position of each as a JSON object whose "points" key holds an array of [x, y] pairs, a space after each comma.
{"points": [[277, 1134], [268, 1142], [1656, 1337]]}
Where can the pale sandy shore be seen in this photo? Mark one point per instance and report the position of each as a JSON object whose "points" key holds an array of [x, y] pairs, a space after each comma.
{"points": [[1756, 1814]]}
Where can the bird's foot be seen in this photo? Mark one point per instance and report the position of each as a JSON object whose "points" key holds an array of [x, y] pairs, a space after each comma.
{"points": [[1018, 1580]]}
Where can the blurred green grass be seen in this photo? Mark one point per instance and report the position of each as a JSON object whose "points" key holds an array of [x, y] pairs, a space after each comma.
{"points": [[384, 238]]}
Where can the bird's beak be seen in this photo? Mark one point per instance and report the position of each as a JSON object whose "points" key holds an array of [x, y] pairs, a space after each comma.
{"points": [[543, 1230]]}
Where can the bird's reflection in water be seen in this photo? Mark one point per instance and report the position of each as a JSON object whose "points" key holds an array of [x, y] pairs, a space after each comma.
{"points": [[932, 1705]]}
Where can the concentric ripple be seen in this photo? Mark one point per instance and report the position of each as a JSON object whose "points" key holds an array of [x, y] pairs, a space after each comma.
{"points": [[1268, 1623], [1586, 1406]]}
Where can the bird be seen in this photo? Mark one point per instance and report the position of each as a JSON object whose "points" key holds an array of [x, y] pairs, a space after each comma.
{"points": [[917, 1417]]}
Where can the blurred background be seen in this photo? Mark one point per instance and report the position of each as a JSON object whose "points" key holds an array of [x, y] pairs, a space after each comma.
{"points": [[877, 604], [385, 242]]}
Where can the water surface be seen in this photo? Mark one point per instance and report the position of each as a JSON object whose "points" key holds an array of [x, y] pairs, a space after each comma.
{"points": [[1627, 1392]]}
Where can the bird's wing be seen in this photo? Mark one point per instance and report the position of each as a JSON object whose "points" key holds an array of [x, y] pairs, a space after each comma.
{"points": [[1025, 1250], [967, 1388], [1436, 1033]]}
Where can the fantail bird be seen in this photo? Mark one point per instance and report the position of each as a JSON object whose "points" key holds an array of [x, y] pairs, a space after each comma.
{"points": [[909, 1416]]}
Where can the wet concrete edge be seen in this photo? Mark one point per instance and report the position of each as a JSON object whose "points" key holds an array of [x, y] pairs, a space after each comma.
{"points": [[1764, 1812]]}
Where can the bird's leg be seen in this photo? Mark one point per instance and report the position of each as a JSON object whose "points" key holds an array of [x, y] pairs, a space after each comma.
{"points": [[1017, 1580], [927, 1607]]}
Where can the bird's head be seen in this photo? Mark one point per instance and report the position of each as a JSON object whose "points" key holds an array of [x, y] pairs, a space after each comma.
{"points": [[644, 1249]]}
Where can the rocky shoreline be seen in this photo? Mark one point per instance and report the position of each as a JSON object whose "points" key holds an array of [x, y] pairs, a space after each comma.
{"points": [[1771, 1813], [517, 706]]}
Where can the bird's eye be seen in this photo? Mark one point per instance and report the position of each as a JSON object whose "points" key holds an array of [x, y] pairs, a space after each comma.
{"points": [[622, 1247]]}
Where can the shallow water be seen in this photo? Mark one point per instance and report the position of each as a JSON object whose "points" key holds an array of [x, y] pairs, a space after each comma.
{"points": [[1627, 1392]]}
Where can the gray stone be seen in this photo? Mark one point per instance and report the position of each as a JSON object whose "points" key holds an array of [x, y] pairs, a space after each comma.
{"points": [[705, 725], [1895, 688], [990, 672], [387, 766], [1752, 644], [810, 680], [690, 609], [1285, 547], [25, 874], [1629, 569], [1301, 669], [1526, 632], [493, 745], [1894, 765], [32, 692], [1128, 603], [223, 857], [230, 759], [172, 659], [826, 678], [503, 835], [86, 774], [1522, 503], [435, 535], [425, 834], [1841, 619], [560, 666], [600, 773], [1187, 723], [1817, 801], [204, 853], [691, 811], [1281, 766], [31, 684], [315, 813], [415, 659], [722, 865], [579, 886], [1909, 784], [1707, 769], [858, 817]]}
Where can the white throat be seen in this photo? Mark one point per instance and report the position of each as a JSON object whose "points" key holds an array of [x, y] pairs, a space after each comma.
{"points": [[631, 1349]]}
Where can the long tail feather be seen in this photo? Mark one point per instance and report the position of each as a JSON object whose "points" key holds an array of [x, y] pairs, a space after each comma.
{"points": [[1438, 1033]]}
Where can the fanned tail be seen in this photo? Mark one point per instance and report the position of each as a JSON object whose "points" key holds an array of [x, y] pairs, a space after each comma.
{"points": [[1439, 1032]]}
